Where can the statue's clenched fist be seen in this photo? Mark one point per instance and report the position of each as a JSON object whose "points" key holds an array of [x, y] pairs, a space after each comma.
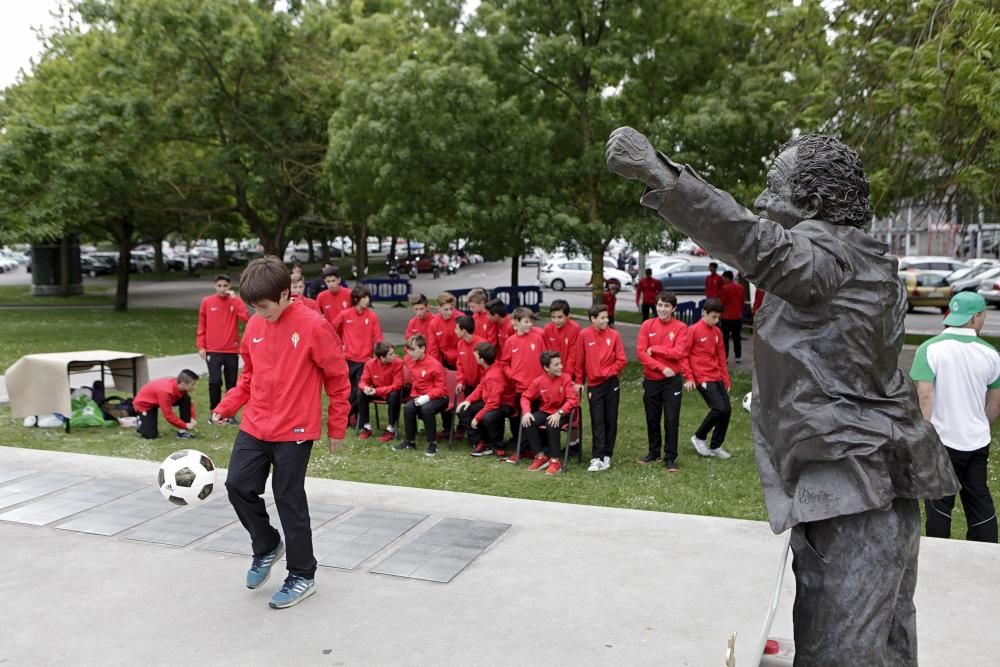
{"points": [[629, 154]]}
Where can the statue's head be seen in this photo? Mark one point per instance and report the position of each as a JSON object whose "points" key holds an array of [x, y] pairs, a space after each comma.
{"points": [[816, 177]]}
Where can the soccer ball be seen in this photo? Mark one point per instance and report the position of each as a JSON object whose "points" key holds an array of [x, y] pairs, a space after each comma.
{"points": [[746, 401], [186, 477]]}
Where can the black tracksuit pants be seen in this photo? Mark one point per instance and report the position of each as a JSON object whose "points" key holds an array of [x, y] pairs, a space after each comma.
{"points": [[394, 400], [732, 330], [719, 411], [662, 401], [221, 366], [552, 435], [490, 428], [354, 371], [146, 424], [981, 515], [426, 413], [249, 466], [603, 400]]}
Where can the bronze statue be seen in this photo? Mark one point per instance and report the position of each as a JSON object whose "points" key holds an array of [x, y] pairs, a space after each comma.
{"points": [[841, 447]]}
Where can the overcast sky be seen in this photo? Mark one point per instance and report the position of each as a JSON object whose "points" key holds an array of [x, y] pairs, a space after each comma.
{"points": [[18, 44]]}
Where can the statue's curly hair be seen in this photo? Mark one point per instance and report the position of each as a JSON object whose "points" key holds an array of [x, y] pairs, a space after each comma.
{"points": [[830, 169]]}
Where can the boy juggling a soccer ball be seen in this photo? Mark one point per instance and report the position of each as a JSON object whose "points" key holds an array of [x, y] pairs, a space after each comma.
{"points": [[289, 353]]}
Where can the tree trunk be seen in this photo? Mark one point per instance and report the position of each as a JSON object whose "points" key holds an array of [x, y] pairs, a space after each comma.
{"points": [[325, 249], [391, 255], [221, 260], [158, 255], [515, 265], [597, 271], [64, 265], [124, 257], [312, 251], [593, 216], [360, 230]]}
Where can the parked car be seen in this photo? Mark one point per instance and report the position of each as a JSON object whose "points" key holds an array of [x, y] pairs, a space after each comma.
{"points": [[689, 277], [983, 261], [969, 279], [926, 289], [179, 262], [938, 264], [533, 258], [424, 263], [93, 266], [142, 262], [560, 274], [990, 290], [7, 264]]}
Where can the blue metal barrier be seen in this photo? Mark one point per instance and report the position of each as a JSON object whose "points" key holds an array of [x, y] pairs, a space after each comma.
{"points": [[689, 312], [514, 297], [388, 289]]}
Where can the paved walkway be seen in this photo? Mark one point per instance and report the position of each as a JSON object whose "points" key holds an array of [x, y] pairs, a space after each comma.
{"points": [[566, 584]]}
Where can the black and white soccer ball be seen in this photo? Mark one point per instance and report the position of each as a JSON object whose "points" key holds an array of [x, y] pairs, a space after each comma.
{"points": [[186, 477], [746, 401]]}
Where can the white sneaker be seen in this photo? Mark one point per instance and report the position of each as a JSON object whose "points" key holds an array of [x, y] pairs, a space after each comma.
{"points": [[720, 453], [700, 446], [596, 465], [606, 463]]}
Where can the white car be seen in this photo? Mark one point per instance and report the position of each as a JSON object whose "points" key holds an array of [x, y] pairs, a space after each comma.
{"points": [[560, 274], [7, 264], [942, 266]]}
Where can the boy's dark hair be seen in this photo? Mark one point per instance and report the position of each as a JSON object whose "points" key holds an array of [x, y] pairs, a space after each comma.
{"points": [[331, 271], [547, 356], [596, 310], [496, 307], [466, 324], [649, 273], [418, 299], [476, 294], [224, 276], [521, 312], [359, 292], [487, 353], [727, 274], [559, 304], [712, 306], [667, 297], [264, 279], [415, 341], [187, 376], [382, 348], [711, 264]]}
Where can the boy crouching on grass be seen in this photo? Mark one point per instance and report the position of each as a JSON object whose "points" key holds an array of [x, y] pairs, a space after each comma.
{"points": [[483, 411], [290, 354], [381, 380], [557, 398]]}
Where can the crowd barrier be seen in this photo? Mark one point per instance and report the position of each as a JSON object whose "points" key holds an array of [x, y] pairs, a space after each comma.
{"points": [[514, 297], [388, 289], [689, 312]]}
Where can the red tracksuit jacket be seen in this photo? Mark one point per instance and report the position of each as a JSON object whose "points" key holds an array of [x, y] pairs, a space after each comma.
{"points": [[712, 284], [285, 364], [484, 328], [468, 372], [310, 303], [383, 378], [602, 355], [555, 393], [668, 343], [494, 390], [502, 330], [732, 296], [520, 358], [647, 290], [331, 303], [426, 377], [359, 332], [217, 323], [706, 354], [446, 340], [161, 393], [565, 341], [424, 327]]}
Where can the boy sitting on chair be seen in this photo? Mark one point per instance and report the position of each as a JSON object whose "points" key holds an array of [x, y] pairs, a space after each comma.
{"points": [[557, 398]]}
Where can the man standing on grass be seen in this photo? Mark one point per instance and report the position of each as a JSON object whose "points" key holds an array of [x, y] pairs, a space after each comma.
{"points": [[710, 376], [646, 292], [842, 450], [290, 354], [733, 297], [218, 337], [602, 358], [335, 297]]}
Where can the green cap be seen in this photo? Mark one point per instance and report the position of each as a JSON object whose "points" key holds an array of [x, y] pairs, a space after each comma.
{"points": [[962, 307]]}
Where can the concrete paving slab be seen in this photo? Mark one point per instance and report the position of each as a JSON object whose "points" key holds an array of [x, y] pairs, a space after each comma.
{"points": [[348, 544], [114, 517], [7, 474], [608, 587], [72, 501], [443, 551], [29, 488], [189, 525], [235, 540]]}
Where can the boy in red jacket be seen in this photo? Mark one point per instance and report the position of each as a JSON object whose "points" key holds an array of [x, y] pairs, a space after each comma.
{"points": [[501, 325], [646, 293], [483, 411], [299, 291], [422, 324], [381, 380], [610, 298], [289, 354], [359, 329], [557, 398], [709, 374], [428, 395], [476, 300], [732, 295], [467, 371], [164, 394], [520, 359], [603, 358], [335, 297], [662, 350], [443, 328], [218, 337], [562, 335]]}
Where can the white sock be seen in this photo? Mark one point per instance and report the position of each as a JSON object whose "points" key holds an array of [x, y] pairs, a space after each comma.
{"points": [[367, 427], [390, 429]]}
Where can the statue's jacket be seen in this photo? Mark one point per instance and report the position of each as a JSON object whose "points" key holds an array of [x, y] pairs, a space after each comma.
{"points": [[837, 427]]}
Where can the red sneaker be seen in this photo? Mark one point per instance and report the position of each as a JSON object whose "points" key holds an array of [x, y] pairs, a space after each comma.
{"points": [[516, 458], [387, 436], [365, 434], [553, 467], [541, 462], [352, 421], [443, 434], [501, 453], [482, 449]]}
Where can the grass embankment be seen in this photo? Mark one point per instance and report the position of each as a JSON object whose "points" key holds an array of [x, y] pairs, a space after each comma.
{"points": [[703, 486], [20, 295]]}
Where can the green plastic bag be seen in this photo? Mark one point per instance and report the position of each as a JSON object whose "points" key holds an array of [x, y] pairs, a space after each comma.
{"points": [[87, 413]]}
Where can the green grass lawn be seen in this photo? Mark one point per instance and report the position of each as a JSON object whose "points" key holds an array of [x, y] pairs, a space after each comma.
{"points": [[703, 486], [20, 295]]}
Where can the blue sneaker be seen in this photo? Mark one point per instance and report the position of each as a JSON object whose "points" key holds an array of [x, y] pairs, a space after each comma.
{"points": [[186, 435], [260, 568], [293, 591]]}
